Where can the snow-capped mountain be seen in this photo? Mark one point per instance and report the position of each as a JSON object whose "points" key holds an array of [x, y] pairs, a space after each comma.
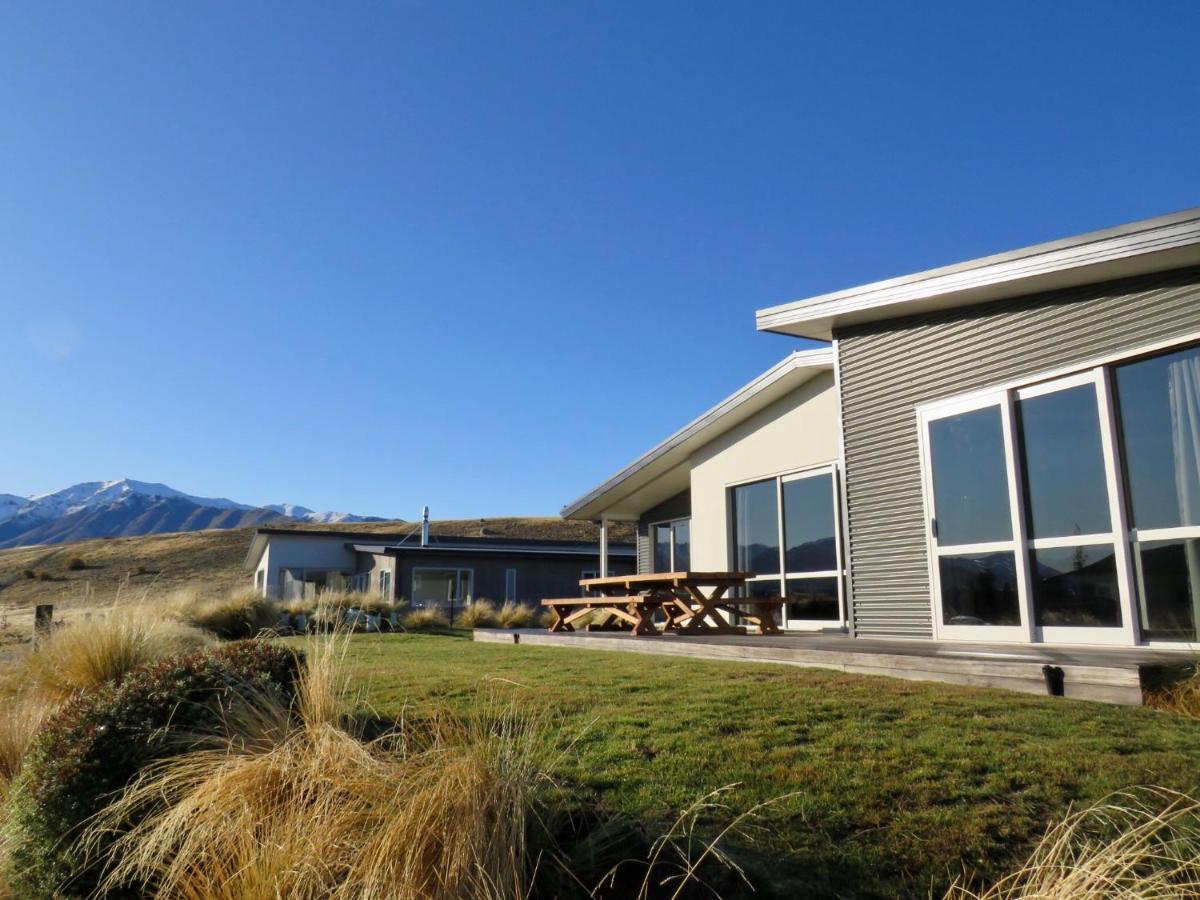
{"points": [[127, 507]]}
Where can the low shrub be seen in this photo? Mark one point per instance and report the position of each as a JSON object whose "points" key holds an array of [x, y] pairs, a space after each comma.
{"points": [[440, 809], [28, 573], [516, 615], [428, 619], [43, 575], [103, 648], [99, 742], [237, 616], [75, 564], [480, 614]]}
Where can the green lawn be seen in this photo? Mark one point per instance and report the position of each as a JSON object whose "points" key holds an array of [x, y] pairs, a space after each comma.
{"points": [[901, 785]]}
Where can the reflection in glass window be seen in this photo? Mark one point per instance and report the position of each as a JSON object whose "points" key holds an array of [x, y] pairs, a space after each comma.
{"points": [[812, 598], [662, 548], [979, 589], [808, 529], [1076, 586], [1160, 430], [1065, 484], [1169, 578], [970, 481], [681, 534], [756, 528]]}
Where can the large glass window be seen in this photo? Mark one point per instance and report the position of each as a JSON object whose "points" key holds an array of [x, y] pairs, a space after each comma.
{"points": [[1066, 496], [441, 587], [979, 589], [1159, 401], [969, 477], [672, 545], [785, 532]]}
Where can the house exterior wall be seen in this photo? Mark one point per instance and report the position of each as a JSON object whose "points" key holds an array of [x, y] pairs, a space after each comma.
{"points": [[375, 563], [889, 368], [538, 577], [285, 552], [798, 431], [677, 507]]}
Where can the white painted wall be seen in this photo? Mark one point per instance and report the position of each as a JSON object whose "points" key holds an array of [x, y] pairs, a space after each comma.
{"points": [[287, 551], [796, 432]]}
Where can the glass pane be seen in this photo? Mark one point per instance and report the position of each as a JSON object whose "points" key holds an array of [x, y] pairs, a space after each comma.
{"points": [[813, 598], [683, 547], [808, 532], [970, 481], [1076, 586], [1065, 484], [662, 548], [434, 587], [1160, 430], [1169, 577], [979, 589], [765, 587], [466, 592], [756, 528]]}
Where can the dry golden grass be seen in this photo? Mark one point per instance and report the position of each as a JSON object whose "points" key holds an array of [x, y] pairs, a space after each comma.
{"points": [[103, 648], [1141, 844], [516, 615], [22, 717], [480, 614], [294, 803], [425, 620], [1181, 697], [242, 613]]}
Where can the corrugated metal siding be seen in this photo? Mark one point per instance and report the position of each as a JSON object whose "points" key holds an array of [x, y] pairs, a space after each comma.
{"points": [[888, 369], [677, 507]]}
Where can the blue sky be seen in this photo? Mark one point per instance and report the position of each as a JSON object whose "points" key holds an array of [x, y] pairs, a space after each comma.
{"points": [[369, 256]]}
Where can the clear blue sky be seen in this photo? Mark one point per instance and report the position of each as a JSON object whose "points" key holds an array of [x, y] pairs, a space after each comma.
{"points": [[372, 255]]}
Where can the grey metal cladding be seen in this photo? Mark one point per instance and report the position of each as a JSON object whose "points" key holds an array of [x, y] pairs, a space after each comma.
{"points": [[889, 368]]}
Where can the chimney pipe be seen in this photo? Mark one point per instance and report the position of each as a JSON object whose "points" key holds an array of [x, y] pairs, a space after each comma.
{"points": [[425, 526]]}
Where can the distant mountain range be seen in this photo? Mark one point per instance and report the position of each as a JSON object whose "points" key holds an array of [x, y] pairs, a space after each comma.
{"points": [[124, 508]]}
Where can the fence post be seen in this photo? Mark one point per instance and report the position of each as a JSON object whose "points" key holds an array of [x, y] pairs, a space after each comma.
{"points": [[43, 620]]}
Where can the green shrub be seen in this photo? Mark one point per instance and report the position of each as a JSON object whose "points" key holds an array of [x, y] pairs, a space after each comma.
{"points": [[75, 564], [99, 742]]}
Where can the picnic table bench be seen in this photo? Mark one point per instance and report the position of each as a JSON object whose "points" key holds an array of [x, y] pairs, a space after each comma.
{"points": [[686, 602]]}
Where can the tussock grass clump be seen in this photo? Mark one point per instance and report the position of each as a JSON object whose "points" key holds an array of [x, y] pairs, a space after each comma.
{"points": [[103, 648], [428, 619], [236, 616], [76, 564], [1180, 696], [295, 803], [546, 618], [1142, 844], [480, 614], [516, 615], [20, 721]]}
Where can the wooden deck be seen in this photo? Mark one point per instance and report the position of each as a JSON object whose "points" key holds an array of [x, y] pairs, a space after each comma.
{"points": [[1107, 674]]}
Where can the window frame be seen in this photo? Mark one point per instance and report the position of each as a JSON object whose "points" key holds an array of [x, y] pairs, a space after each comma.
{"points": [[670, 523], [1099, 372], [458, 573], [510, 585], [783, 575]]}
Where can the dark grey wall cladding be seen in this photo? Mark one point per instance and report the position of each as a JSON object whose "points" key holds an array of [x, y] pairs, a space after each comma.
{"points": [[889, 368], [538, 578], [677, 507]]}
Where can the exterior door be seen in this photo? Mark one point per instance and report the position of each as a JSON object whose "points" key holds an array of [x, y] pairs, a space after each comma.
{"points": [[979, 575]]}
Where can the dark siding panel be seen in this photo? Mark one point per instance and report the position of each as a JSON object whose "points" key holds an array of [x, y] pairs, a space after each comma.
{"points": [[888, 369]]}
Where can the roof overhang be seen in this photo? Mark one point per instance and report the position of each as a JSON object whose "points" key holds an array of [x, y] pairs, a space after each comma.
{"points": [[663, 471], [616, 550], [1152, 245]]}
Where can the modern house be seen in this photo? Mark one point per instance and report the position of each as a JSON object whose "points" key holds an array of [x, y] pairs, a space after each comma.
{"points": [[424, 570], [1007, 449]]}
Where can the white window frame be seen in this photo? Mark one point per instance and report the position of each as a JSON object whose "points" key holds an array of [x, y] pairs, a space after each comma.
{"points": [[784, 576], [385, 584], [651, 526], [510, 585], [1100, 373]]}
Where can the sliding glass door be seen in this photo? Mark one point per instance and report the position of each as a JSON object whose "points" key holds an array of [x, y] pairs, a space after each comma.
{"points": [[1069, 511], [979, 575]]}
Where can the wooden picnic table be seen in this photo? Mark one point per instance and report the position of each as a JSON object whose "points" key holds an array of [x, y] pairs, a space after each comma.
{"points": [[690, 603]]}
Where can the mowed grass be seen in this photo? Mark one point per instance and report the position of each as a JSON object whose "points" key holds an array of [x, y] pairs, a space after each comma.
{"points": [[899, 786]]}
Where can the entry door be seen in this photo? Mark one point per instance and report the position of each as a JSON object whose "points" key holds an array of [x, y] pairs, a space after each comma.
{"points": [[980, 579]]}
